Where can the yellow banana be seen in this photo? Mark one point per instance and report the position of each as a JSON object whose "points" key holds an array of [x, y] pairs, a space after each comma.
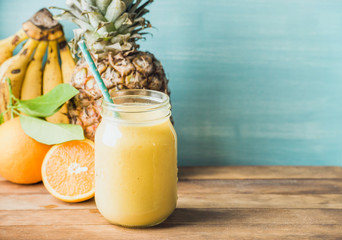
{"points": [[68, 63], [4, 91], [8, 45], [52, 76], [32, 85], [4, 100], [52, 72], [15, 67]]}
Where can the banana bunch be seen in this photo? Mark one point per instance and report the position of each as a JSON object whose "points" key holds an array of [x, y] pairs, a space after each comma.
{"points": [[29, 77]]}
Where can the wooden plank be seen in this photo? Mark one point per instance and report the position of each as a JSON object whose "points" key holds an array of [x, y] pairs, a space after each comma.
{"points": [[187, 216], [275, 186], [40, 201], [7, 187], [208, 208], [262, 186], [254, 172], [260, 172], [251, 172], [188, 200], [222, 200], [170, 232]]}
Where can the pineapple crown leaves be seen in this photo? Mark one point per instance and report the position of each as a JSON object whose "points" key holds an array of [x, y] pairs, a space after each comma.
{"points": [[106, 25]]}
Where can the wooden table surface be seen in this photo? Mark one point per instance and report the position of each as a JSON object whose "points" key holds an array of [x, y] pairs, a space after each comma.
{"points": [[214, 203]]}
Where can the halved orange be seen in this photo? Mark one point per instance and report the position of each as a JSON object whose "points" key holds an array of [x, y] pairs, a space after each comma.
{"points": [[68, 171]]}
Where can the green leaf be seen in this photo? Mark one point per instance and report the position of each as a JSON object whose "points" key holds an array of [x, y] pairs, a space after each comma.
{"points": [[50, 133], [48, 104]]}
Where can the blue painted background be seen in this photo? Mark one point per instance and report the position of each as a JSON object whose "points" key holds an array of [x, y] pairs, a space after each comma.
{"points": [[253, 81]]}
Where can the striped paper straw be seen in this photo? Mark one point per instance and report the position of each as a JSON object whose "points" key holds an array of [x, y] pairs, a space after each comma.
{"points": [[95, 72]]}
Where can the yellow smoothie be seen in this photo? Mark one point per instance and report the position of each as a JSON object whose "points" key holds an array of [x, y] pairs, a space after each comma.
{"points": [[136, 170]]}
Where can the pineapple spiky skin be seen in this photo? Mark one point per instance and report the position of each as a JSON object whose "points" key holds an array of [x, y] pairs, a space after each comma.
{"points": [[124, 70]]}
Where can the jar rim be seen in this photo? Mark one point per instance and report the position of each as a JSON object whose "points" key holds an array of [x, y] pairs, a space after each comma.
{"points": [[156, 100]]}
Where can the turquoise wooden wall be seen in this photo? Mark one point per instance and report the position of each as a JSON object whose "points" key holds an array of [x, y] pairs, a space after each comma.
{"points": [[253, 81]]}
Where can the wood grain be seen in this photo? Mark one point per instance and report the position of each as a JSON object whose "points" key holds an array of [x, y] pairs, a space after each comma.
{"points": [[260, 172], [175, 232], [186, 216], [189, 200], [214, 203], [259, 186]]}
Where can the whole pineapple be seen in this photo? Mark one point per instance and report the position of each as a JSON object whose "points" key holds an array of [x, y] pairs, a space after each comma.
{"points": [[110, 29]]}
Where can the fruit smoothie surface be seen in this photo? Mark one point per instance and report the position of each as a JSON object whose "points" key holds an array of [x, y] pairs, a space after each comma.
{"points": [[136, 166]]}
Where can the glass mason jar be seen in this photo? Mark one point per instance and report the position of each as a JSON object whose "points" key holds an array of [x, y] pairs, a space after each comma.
{"points": [[136, 159]]}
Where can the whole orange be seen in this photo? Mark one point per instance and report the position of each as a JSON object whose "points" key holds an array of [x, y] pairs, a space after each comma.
{"points": [[21, 156]]}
